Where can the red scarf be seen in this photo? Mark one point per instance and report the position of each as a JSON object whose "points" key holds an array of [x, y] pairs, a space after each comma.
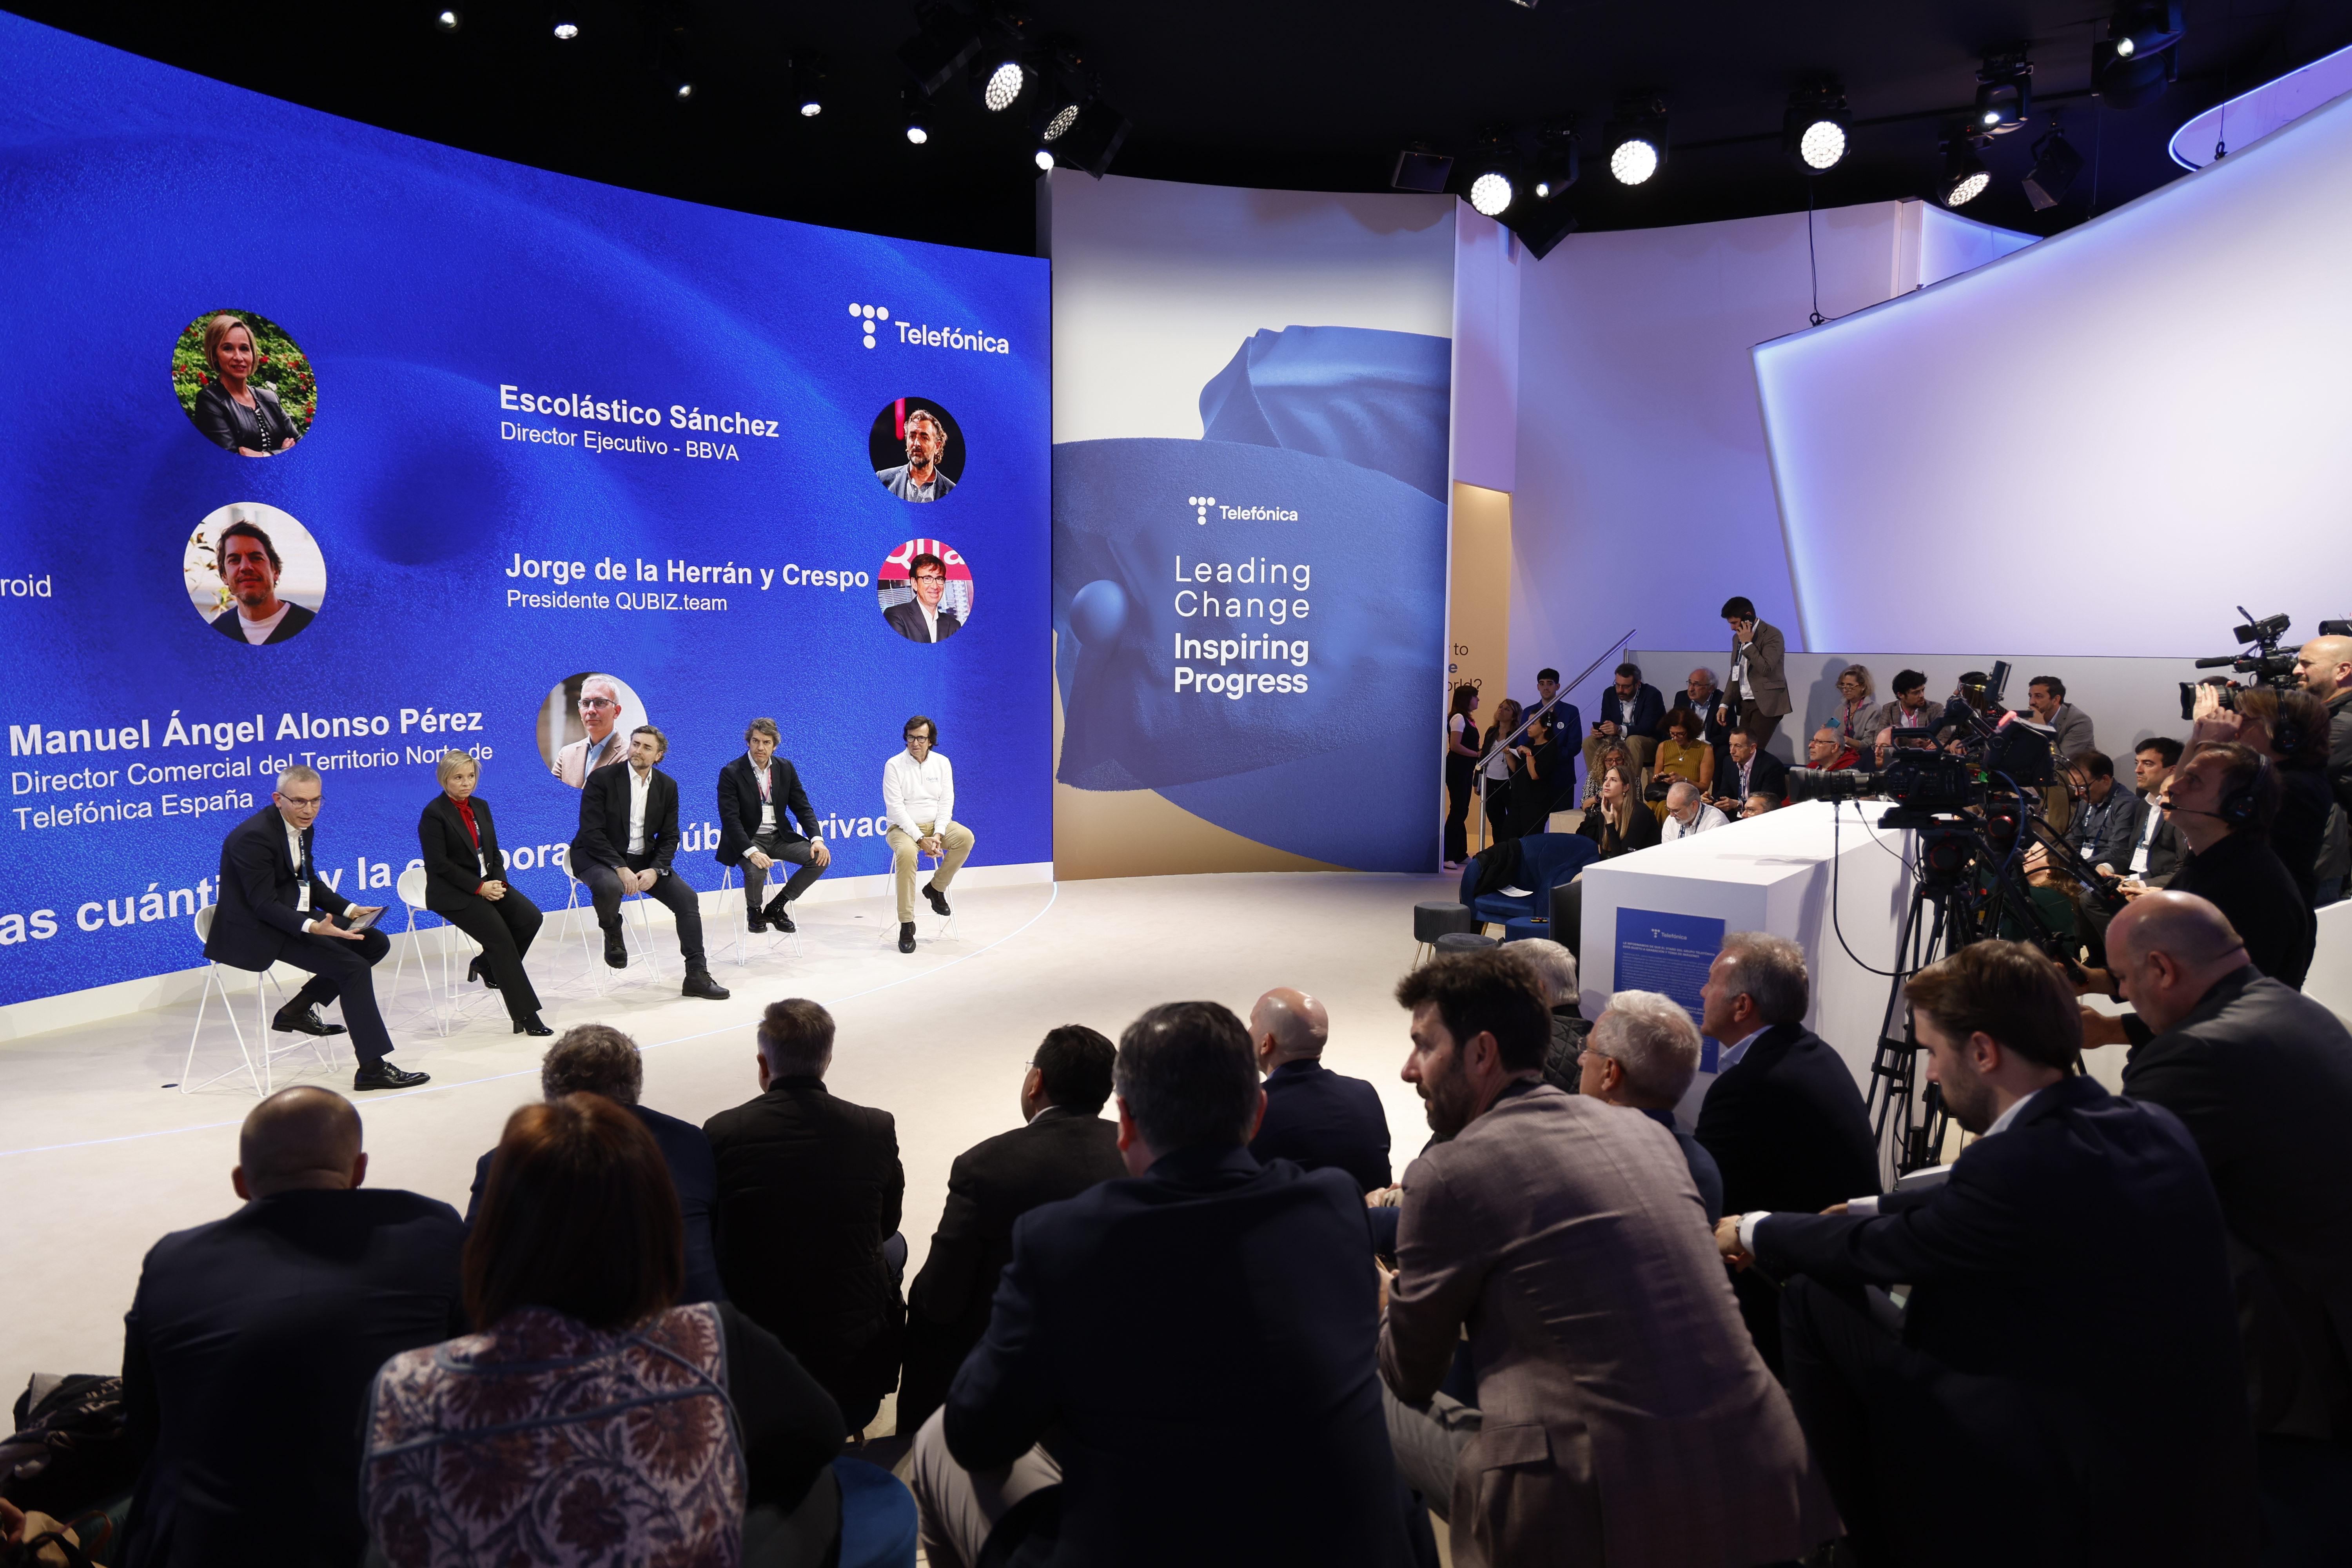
{"points": [[466, 811]]}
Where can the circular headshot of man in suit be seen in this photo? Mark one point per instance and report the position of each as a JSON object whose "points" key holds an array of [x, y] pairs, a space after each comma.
{"points": [[244, 383], [925, 588], [254, 573], [917, 450], [584, 724]]}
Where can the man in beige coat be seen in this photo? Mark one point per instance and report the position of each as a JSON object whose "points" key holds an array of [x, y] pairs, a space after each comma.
{"points": [[1623, 1415]]}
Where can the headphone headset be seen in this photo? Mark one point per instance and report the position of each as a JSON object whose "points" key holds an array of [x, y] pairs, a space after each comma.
{"points": [[2238, 805], [2287, 735]]}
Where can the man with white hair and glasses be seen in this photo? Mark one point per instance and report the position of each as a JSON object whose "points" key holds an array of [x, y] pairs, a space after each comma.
{"points": [[1642, 1054]]}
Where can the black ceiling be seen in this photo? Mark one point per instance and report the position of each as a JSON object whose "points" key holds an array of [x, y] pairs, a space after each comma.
{"points": [[1263, 93]]}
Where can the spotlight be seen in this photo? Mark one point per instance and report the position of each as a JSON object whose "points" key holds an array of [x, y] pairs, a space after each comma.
{"points": [[1965, 177], [1001, 88], [1636, 141], [683, 90], [1817, 130], [2004, 93], [2055, 166], [916, 133], [946, 45], [807, 73], [449, 21], [1549, 157], [1093, 140], [567, 31], [1045, 160], [2141, 30], [1419, 169], [919, 128], [2138, 59], [1491, 192]]}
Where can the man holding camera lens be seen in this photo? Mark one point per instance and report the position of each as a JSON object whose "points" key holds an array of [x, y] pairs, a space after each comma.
{"points": [[2324, 665]]}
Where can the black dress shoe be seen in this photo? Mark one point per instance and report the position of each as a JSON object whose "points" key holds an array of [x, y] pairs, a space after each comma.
{"points": [[700, 984], [303, 1021], [756, 922], [384, 1074], [906, 936], [531, 1026], [475, 970], [616, 950], [780, 918], [939, 899]]}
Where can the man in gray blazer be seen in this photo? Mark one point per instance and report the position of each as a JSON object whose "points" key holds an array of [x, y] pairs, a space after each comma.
{"points": [[2045, 699], [1759, 676], [1612, 1365]]}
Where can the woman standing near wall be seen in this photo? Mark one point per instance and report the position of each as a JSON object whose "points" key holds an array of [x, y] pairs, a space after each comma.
{"points": [[1498, 769], [1461, 774]]}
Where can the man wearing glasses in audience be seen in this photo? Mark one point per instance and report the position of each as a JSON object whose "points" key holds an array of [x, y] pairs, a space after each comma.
{"points": [[604, 744], [922, 618]]}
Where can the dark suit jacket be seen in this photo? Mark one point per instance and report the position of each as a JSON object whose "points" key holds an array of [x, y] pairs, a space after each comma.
{"points": [[451, 872], [1787, 1127], [809, 1189], [1705, 1175], [693, 1170], [297, 617], [1712, 733], [1317, 1118], [2247, 881], [1154, 1324], [257, 920], [906, 620], [739, 806], [991, 1185], [604, 835], [2263, 1078], [1767, 774], [1648, 709], [2163, 850], [2139, 1451], [247, 1358]]}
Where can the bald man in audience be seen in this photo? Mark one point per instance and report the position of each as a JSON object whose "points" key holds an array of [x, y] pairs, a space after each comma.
{"points": [[250, 1347], [2262, 1075], [1314, 1117]]}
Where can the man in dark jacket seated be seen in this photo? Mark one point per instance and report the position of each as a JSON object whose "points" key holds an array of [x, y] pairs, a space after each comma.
{"points": [[1314, 1117], [1064, 1147], [597, 1058], [1642, 1054], [1985, 1430], [249, 1348], [1783, 1119], [806, 1221], [1158, 1331]]}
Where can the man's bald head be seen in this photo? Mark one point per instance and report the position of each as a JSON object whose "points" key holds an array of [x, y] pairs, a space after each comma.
{"points": [[2168, 949], [1292, 1024], [2326, 665], [305, 1137]]}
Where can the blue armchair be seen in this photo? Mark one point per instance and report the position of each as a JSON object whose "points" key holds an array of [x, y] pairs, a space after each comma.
{"points": [[1545, 860]]}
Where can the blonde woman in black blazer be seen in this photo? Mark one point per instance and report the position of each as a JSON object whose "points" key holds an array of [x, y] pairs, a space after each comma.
{"points": [[465, 884]]}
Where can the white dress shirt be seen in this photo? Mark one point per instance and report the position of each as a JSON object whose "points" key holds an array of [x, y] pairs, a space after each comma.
{"points": [[1708, 817], [294, 850], [767, 800], [639, 784], [2148, 829], [1731, 1055], [915, 793]]}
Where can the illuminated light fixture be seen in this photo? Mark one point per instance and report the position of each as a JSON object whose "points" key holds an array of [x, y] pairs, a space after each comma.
{"points": [[2004, 93], [919, 128], [1045, 160], [807, 73], [567, 31], [1062, 120], [917, 133], [1636, 141], [2056, 165], [1002, 87], [1551, 163], [1965, 176], [2138, 59], [1817, 130], [684, 89], [1093, 140], [449, 21], [1491, 192]]}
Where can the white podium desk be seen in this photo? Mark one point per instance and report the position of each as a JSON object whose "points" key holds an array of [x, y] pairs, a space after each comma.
{"points": [[1661, 914]]}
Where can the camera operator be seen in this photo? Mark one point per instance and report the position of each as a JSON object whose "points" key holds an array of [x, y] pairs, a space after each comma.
{"points": [[2324, 666], [2289, 729]]}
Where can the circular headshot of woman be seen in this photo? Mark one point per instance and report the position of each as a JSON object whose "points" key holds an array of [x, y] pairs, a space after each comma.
{"points": [[584, 724], [925, 591], [243, 383], [916, 448], [254, 573]]}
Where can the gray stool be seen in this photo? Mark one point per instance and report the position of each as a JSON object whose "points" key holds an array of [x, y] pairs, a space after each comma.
{"points": [[1461, 942], [1433, 921]]}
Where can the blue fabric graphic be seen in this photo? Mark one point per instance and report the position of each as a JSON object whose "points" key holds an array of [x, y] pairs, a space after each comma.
{"points": [[1376, 399]]}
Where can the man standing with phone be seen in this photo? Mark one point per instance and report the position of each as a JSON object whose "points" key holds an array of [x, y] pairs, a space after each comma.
{"points": [[276, 907], [1758, 689]]}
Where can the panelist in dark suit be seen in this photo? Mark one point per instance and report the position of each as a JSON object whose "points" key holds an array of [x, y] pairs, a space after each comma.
{"points": [[921, 618], [1314, 1117], [597, 1058], [1783, 1119], [465, 884], [1064, 1149], [276, 908], [756, 793], [1160, 1326], [248, 565], [628, 832], [248, 1348], [2072, 1202]]}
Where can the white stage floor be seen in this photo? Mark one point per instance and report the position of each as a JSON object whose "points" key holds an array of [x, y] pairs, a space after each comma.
{"points": [[98, 1159]]}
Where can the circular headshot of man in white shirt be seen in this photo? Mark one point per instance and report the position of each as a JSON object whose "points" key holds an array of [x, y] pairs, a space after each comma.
{"points": [[925, 591], [915, 449], [254, 573]]}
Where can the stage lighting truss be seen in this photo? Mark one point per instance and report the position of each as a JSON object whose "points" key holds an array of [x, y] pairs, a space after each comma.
{"points": [[1636, 141], [2056, 165], [1551, 159], [1965, 175], [1817, 130], [1092, 139], [2139, 57], [2004, 93]]}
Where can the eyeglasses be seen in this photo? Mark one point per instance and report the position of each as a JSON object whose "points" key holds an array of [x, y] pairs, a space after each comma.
{"points": [[298, 802], [598, 702], [929, 577]]}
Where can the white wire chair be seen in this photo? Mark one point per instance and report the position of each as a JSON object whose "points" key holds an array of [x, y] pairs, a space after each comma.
{"points": [[255, 1063], [580, 910], [743, 935]]}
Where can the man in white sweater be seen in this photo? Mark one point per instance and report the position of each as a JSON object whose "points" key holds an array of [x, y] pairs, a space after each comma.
{"points": [[918, 801]]}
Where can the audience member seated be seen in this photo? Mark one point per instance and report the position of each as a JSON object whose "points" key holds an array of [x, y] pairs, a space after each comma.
{"points": [[1159, 1332], [2155, 844], [1315, 1118], [2045, 700], [2138, 1451], [2100, 829], [1643, 1053], [1683, 756], [1555, 971], [1856, 720], [1686, 813], [1615, 755], [1752, 772], [1622, 1414], [1910, 710], [1757, 805], [2290, 730], [1063, 1147], [1630, 712], [597, 1058], [1828, 749], [2262, 1078], [1783, 1118], [248, 1348], [1619, 822], [590, 1419], [1700, 697], [807, 1217]]}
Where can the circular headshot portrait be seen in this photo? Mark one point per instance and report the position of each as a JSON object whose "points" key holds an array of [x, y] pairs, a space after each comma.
{"points": [[254, 573], [925, 591], [584, 724], [916, 448], [243, 383]]}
